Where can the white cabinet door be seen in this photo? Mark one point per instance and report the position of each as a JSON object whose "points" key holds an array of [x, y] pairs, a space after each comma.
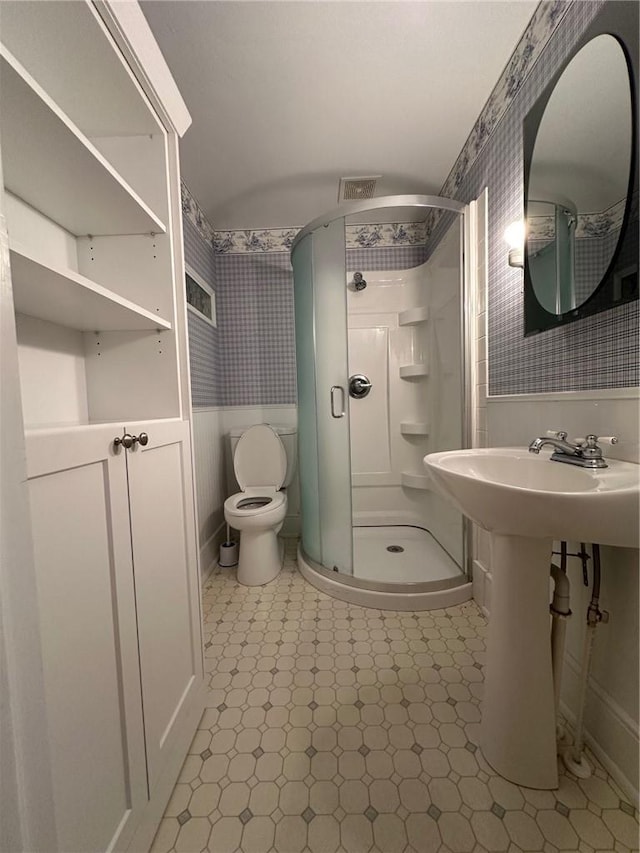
{"points": [[166, 586], [80, 519]]}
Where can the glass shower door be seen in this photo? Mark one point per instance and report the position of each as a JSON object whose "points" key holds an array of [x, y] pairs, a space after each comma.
{"points": [[324, 451]]}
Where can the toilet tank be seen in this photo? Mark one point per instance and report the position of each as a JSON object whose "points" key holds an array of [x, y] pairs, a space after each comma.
{"points": [[288, 436]]}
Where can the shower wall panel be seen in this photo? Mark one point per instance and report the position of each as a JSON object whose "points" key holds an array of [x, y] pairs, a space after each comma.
{"points": [[378, 346], [405, 417], [369, 417]]}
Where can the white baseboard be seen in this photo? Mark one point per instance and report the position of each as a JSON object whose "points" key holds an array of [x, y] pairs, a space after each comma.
{"points": [[610, 732], [210, 551]]}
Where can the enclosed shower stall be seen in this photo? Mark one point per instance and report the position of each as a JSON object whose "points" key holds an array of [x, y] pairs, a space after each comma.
{"points": [[382, 380]]}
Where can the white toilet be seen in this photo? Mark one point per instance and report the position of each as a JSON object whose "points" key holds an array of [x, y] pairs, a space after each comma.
{"points": [[264, 462]]}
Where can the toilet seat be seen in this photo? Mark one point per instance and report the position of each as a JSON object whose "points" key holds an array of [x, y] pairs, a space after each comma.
{"points": [[272, 502]]}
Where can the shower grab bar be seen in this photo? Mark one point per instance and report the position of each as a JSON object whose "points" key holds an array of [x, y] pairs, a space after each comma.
{"points": [[332, 398]]}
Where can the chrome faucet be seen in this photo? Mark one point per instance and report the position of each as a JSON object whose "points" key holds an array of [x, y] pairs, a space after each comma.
{"points": [[584, 451]]}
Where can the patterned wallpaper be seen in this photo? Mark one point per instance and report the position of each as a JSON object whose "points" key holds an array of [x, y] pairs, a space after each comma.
{"points": [[601, 351], [251, 358], [257, 323], [205, 344], [256, 319]]}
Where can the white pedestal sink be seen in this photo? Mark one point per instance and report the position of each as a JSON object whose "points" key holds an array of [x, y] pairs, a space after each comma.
{"points": [[526, 501]]}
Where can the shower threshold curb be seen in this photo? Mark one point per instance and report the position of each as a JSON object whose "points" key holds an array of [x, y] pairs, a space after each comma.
{"points": [[407, 601]]}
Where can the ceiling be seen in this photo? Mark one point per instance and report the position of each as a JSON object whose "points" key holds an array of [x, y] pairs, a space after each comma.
{"points": [[287, 97]]}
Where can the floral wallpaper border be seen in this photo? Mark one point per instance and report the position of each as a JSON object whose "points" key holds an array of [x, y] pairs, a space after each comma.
{"points": [[357, 237], [192, 210], [589, 224], [377, 236], [545, 19], [540, 28]]}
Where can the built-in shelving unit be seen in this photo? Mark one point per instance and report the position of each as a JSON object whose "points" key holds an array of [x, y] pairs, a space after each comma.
{"points": [[91, 202], [50, 164], [69, 299], [415, 481], [413, 316], [411, 371], [414, 428]]}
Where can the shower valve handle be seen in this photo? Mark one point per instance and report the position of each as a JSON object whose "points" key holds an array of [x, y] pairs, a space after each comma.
{"points": [[359, 386]]}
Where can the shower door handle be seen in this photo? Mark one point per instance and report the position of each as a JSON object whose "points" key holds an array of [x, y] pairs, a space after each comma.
{"points": [[335, 388]]}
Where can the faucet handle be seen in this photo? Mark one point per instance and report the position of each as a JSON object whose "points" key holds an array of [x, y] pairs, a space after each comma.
{"points": [[607, 439], [556, 433], [594, 440]]}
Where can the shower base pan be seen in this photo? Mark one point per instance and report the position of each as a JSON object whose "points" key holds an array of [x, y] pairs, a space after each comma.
{"points": [[400, 554], [422, 576]]}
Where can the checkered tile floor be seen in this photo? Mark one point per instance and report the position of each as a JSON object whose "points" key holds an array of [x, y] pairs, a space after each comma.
{"points": [[336, 729]]}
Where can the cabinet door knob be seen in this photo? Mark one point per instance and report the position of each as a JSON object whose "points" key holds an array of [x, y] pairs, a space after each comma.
{"points": [[126, 441]]}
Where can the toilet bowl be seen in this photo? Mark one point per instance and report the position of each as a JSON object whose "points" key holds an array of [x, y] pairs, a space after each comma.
{"points": [[258, 511]]}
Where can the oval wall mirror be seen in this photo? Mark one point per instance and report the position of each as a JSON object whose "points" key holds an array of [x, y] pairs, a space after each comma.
{"points": [[579, 199]]}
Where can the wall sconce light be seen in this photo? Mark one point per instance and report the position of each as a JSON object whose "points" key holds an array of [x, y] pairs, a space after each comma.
{"points": [[514, 237]]}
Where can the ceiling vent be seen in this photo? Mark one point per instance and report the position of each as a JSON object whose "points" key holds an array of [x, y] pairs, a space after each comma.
{"points": [[357, 189]]}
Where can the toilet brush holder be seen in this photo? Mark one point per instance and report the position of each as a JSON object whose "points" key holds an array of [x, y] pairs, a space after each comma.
{"points": [[228, 554]]}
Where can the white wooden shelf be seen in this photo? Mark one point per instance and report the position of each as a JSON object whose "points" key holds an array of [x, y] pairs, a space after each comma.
{"points": [[415, 481], [410, 371], [91, 83], [413, 316], [52, 166], [67, 298], [414, 428]]}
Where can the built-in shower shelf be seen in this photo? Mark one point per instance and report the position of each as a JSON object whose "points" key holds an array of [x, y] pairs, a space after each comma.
{"points": [[413, 316], [415, 481], [414, 428], [411, 371]]}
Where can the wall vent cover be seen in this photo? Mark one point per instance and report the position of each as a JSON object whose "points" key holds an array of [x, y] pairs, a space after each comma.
{"points": [[357, 189]]}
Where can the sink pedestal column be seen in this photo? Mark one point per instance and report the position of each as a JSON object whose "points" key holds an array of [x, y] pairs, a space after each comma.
{"points": [[518, 731]]}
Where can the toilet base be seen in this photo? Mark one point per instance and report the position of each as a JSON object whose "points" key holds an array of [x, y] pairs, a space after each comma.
{"points": [[261, 555]]}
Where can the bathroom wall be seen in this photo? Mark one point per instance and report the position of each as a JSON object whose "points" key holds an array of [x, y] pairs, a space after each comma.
{"points": [[205, 360], [602, 351], [243, 372], [255, 304], [256, 318], [207, 386], [581, 378]]}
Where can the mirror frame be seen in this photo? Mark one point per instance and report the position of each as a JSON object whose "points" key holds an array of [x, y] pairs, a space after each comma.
{"points": [[620, 19]]}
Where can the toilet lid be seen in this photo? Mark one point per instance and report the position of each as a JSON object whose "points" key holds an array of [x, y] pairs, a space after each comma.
{"points": [[260, 458]]}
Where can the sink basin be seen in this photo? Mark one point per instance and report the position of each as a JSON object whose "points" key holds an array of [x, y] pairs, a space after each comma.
{"points": [[526, 501], [511, 491]]}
